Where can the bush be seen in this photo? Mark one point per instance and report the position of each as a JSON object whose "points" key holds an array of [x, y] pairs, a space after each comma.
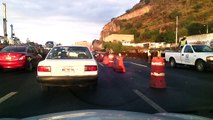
{"points": [[196, 28], [112, 19], [128, 26], [128, 48], [128, 11], [167, 37], [138, 24], [150, 35], [197, 7], [115, 46], [147, 1], [210, 27], [173, 14], [183, 32]]}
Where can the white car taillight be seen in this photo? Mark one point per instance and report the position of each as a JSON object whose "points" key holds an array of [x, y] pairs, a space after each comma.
{"points": [[44, 69], [90, 68]]}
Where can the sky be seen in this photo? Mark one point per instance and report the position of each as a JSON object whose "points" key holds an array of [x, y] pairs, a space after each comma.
{"points": [[62, 21]]}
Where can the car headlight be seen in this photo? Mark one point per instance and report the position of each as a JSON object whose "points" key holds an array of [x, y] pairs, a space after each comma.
{"points": [[209, 58]]}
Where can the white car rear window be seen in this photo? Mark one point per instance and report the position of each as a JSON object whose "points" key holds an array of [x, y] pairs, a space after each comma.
{"points": [[69, 53]]}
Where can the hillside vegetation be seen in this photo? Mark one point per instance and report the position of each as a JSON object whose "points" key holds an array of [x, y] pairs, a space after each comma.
{"points": [[158, 25]]}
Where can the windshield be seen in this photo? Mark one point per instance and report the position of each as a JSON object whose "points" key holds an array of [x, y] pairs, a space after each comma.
{"points": [[202, 48], [14, 49], [69, 53]]}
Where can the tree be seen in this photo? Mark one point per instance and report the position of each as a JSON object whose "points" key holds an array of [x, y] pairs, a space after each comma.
{"points": [[196, 29], [115, 46], [149, 35], [128, 26], [146, 1], [5, 42], [174, 14], [167, 37], [16, 40]]}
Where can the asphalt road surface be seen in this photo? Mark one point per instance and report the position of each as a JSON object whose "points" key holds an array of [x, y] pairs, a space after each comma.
{"points": [[187, 91]]}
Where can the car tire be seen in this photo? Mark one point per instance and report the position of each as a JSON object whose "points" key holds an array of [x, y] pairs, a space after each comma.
{"points": [[200, 66], [172, 62], [29, 67]]}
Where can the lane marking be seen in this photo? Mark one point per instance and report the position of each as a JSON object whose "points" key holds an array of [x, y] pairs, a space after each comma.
{"points": [[9, 95], [126, 62], [149, 101], [138, 64], [101, 64]]}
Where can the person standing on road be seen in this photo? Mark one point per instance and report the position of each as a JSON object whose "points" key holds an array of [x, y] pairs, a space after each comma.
{"points": [[182, 42], [149, 56]]}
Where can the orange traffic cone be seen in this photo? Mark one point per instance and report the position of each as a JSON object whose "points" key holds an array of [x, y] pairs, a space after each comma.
{"points": [[119, 64], [106, 60], [158, 73], [111, 60]]}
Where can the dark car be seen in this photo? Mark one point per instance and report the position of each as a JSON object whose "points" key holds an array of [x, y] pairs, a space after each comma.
{"points": [[19, 57]]}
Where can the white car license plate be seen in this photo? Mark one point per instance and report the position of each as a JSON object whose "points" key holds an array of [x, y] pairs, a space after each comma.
{"points": [[68, 69]]}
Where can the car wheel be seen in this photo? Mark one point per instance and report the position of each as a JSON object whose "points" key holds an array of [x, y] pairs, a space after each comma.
{"points": [[172, 62], [200, 65], [29, 67]]}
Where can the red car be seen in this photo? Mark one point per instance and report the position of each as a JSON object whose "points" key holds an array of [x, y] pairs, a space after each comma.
{"points": [[19, 57]]}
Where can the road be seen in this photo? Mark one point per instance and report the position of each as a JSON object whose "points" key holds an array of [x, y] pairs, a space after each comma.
{"points": [[187, 91]]}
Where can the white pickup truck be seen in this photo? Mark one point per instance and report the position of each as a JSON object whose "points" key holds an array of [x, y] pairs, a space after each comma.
{"points": [[200, 56]]}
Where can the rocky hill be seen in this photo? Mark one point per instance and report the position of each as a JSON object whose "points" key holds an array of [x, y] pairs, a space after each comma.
{"points": [[155, 20]]}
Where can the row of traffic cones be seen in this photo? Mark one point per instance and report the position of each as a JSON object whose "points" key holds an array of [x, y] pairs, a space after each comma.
{"points": [[157, 68], [116, 62]]}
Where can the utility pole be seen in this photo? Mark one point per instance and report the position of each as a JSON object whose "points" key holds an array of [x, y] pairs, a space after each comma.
{"points": [[12, 34], [5, 22], [176, 40], [207, 28]]}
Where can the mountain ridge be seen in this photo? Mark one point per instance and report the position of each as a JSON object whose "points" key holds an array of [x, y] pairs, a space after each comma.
{"points": [[155, 20]]}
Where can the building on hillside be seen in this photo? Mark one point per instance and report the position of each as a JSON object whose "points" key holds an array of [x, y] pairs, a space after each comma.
{"points": [[151, 45], [83, 43], [206, 39], [123, 38]]}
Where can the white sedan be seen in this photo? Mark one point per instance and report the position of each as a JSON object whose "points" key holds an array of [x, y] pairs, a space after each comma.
{"points": [[67, 66]]}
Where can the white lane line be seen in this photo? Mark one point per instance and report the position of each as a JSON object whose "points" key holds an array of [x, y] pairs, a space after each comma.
{"points": [[149, 101], [4, 98], [126, 62], [101, 64], [138, 64]]}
